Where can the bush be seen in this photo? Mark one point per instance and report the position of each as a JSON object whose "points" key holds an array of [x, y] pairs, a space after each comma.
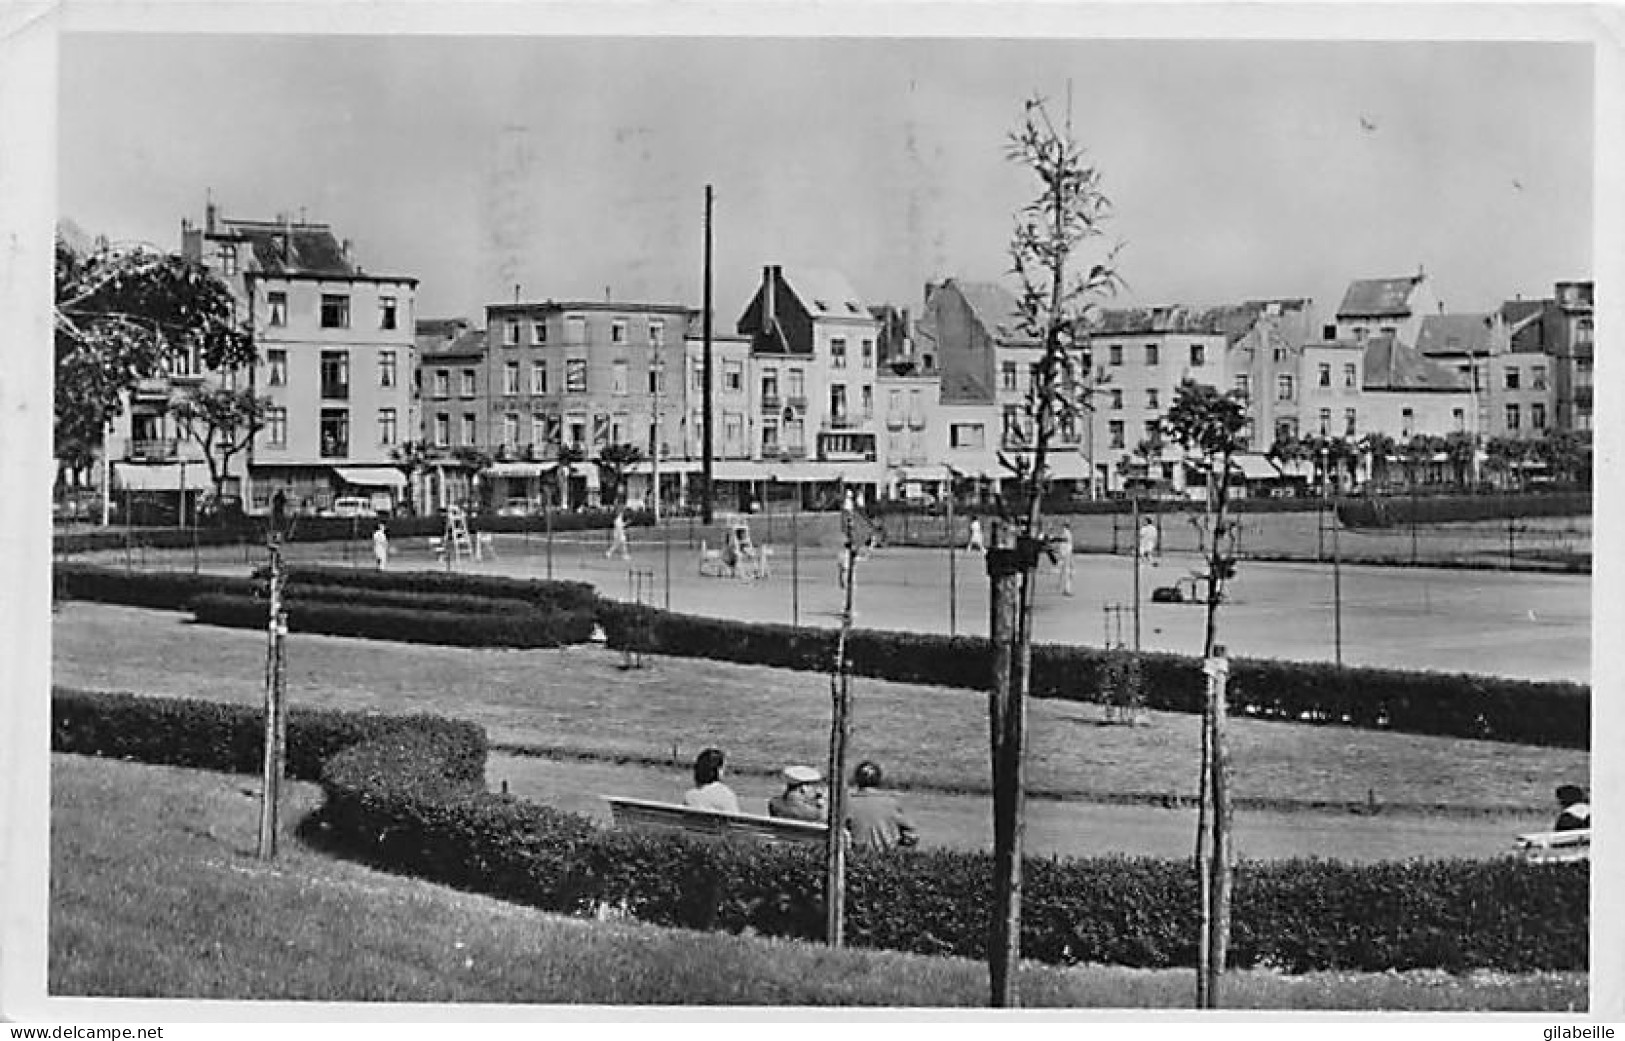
{"points": [[407, 793], [166, 590], [542, 593], [1453, 705], [527, 628]]}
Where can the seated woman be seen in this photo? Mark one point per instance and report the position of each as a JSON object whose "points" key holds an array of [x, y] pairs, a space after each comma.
{"points": [[1574, 812], [709, 793]]}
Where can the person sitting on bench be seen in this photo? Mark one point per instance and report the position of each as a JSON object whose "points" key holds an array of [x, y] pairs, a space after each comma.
{"points": [[874, 818], [709, 793], [803, 797], [1575, 812]]}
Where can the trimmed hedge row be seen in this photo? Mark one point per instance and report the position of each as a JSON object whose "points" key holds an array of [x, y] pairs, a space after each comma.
{"points": [[543, 593], [462, 628], [1455, 705], [158, 589], [211, 735], [1399, 510], [363, 597], [407, 793]]}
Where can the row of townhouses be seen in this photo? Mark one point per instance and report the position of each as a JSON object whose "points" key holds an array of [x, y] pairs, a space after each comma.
{"points": [[815, 389]]}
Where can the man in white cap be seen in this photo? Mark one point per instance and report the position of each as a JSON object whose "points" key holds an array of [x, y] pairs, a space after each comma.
{"points": [[803, 797]]}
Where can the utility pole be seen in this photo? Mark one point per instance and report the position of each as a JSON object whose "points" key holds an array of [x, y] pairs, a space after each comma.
{"points": [[953, 564], [655, 435], [1134, 548], [275, 707], [706, 490]]}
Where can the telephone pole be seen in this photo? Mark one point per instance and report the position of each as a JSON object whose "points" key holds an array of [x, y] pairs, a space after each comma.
{"points": [[705, 392]]}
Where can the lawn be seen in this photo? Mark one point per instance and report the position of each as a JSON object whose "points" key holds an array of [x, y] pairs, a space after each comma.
{"points": [[578, 702], [178, 907]]}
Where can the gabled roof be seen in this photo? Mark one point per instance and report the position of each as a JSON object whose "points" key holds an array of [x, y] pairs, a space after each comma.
{"points": [[283, 249], [825, 293], [1391, 365], [1173, 318], [996, 310], [1373, 297], [1454, 334]]}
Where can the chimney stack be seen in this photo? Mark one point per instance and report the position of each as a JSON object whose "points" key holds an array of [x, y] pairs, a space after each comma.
{"points": [[208, 211], [770, 291]]}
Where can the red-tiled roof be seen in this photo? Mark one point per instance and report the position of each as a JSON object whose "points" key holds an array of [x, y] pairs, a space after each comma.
{"points": [[1372, 297]]}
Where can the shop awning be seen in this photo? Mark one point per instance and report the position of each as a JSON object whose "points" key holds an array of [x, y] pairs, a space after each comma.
{"points": [[520, 470], [667, 466], [371, 476], [160, 477], [922, 473], [1255, 468]]}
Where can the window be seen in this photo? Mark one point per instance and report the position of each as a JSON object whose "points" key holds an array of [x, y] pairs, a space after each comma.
{"points": [[770, 434], [795, 437], [1014, 425], [386, 426], [1582, 331], [733, 427], [577, 428], [1359, 334], [469, 386], [1537, 377], [916, 412], [538, 377], [277, 359], [657, 332], [967, 435], [1325, 421], [575, 329], [1153, 430], [1324, 374], [1198, 355], [510, 429], [1407, 422], [1286, 430], [1512, 378], [336, 375], [1278, 355], [837, 401], [1537, 415], [798, 387], [617, 331], [1327, 332], [617, 378], [335, 431], [227, 257], [1069, 426], [1459, 418], [575, 376], [1351, 418], [510, 333], [471, 429], [386, 368], [335, 311], [733, 377], [868, 347], [1007, 375], [770, 389], [276, 427], [1114, 354], [442, 430], [1513, 416], [277, 304], [386, 312], [699, 376], [1351, 375], [1152, 356], [510, 378], [1243, 386], [837, 353], [538, 332], [1283, 388], [657, 377], [442, 383], [1151, 399], [1117, 398], [1115, 432]]}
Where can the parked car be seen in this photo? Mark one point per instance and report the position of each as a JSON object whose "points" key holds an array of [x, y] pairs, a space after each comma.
{"points": [[350, 506], [519, 508]]}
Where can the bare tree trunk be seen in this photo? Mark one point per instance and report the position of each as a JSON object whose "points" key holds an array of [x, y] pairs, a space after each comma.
{"points": [[1213, 841], [1006, 721], [839, 738]]}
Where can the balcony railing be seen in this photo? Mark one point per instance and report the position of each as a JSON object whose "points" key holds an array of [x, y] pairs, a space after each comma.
{"points": [[894, 422], [916, 422], [796, 401], [151, 449], [335, 449], [771, 402]]}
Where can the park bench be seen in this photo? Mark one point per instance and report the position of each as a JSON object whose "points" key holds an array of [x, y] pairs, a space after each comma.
{"points": [[646, 815], [1552, 847]]}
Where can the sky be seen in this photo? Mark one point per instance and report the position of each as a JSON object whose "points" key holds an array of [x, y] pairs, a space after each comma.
{"points": [[575, 168]]}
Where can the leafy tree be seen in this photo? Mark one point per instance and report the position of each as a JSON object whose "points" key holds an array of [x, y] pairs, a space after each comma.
{"points": [[417, 457], [1212, 426], [1461, 449], [1567, 455], [613, 462], [1056, 298], [567, 455], [122, 315], [222, 421], [1377, 448]]}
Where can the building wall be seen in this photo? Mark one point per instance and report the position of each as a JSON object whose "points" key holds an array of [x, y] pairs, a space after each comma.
{"points": [[1432, 412], [965, 351], [1324, 408], [1137, 392], [737, 423], [1532, 400], [454, 404], [1406, 327], [909, 417]]}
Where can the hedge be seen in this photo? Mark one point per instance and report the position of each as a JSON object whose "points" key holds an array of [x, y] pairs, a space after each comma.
{"points": [[1401, 510], [544, 593], [407, 793], [1453, 705], [364, 597], [528, 628], [166, 590]]}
